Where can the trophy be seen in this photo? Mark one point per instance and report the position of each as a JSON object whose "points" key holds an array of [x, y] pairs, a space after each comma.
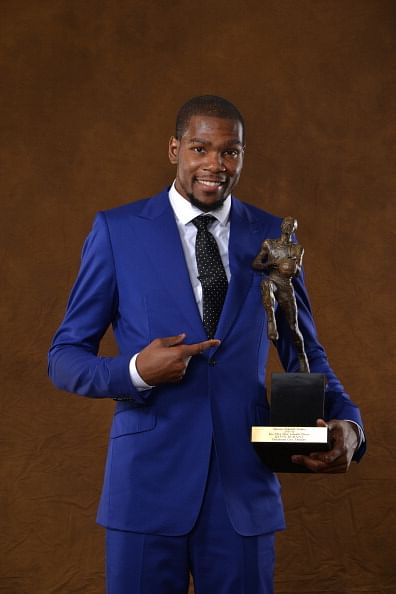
{"points": [[297, 399]]}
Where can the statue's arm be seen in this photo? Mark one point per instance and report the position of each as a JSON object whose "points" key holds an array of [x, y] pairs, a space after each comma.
{"points": [[261, 260], [299, 258]]}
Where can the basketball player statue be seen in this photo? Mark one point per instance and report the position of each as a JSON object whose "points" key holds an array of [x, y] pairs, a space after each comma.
{"points": [[281, 259]]}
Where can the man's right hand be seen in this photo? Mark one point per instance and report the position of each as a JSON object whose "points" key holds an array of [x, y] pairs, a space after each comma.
{"points": [[165, 359]]}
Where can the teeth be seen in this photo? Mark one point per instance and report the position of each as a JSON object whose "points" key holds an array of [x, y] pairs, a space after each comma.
{"points": [[212, 184]]}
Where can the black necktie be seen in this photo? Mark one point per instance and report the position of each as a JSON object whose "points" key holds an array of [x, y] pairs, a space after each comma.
{"points": [[211, 273]]}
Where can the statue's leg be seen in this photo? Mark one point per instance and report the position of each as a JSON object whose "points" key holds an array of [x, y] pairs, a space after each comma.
{"points": [[287, 301], [268, 295]]}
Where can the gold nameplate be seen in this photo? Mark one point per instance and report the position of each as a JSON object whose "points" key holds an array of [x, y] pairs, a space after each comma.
{"points": [[289, 435]]}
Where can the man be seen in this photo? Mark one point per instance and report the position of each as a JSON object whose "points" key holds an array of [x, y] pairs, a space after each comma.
{"points": [[184, 489]]}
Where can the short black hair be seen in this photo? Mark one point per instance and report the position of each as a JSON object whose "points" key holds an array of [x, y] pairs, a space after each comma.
{"points": [[207, 105]]}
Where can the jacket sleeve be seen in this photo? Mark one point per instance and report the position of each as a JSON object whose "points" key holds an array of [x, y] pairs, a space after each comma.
{"points": [[73, 361], [338, 404]]}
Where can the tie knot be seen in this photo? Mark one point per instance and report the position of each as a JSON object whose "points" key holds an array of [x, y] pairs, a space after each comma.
{"points": [[203, 221]]}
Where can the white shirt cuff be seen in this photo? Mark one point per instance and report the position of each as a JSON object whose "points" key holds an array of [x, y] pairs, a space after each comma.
{"points": [[361, 438], [137, 381]]}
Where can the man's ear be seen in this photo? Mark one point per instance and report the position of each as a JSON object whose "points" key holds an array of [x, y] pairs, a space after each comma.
{"points": [[173, 152]]}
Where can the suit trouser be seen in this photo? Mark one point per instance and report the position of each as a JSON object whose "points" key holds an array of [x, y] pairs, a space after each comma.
{"points": [[220, 560]]}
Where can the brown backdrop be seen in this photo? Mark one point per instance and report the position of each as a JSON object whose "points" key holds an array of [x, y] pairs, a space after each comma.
{"points": [[89, 97]]}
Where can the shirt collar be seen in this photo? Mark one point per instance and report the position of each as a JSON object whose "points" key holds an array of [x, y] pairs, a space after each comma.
{"points": [[185, 212]]}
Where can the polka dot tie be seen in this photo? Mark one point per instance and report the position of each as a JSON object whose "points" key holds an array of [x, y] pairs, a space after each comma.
{"points": [[211, 274]]}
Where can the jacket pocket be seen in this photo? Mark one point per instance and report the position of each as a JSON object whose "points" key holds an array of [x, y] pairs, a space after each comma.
{"points": [[131, 421]]}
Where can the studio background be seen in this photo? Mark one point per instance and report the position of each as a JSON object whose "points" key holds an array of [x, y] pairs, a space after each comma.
{"points": [[90, 93]]}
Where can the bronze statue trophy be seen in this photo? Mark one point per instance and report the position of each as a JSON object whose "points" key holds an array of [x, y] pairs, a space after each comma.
{"points": [[297, 399]]}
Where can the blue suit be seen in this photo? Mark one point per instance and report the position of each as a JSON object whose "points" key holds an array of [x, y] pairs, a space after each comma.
{"points": [[133, 275]]}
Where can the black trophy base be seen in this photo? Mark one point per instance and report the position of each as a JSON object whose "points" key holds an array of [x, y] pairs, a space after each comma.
{"points": [[297, 400]]}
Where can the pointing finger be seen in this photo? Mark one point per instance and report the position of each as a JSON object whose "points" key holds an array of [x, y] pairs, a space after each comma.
{"points": [[199, 347]]}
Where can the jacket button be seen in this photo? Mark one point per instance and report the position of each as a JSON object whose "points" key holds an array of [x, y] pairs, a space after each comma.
{"points": [[212, 362]]}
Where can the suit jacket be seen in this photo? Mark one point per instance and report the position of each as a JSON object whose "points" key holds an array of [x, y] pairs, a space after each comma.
{"points": [[133, 275]]}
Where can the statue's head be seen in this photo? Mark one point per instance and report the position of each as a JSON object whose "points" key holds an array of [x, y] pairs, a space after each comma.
{"points": [[289, 225]]}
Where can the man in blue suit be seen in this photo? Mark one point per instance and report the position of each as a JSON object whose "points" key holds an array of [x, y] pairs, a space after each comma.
{"points": [[184, 490]]}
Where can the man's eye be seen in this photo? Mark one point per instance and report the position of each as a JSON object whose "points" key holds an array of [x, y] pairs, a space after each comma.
{"points": [[198, 149], [234, 153]]}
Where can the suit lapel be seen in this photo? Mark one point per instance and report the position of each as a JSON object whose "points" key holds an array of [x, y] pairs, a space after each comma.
{"points": [[161, 240], [245, 239]]}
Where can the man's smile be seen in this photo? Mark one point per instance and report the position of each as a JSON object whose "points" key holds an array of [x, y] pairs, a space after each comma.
{"points": [[210, 183]]}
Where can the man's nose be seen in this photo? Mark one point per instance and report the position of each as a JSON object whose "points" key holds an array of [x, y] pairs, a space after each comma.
{"points": [[215, 162]]}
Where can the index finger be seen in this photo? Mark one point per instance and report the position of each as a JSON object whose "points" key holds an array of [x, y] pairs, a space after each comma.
{"points": [[327, 457], [199, 347], [311, 464]]}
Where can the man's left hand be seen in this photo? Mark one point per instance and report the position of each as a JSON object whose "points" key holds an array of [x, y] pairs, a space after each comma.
{"points": [[343, 439]]}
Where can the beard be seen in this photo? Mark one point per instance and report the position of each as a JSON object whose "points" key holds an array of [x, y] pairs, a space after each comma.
{"points": [[206, 207]]}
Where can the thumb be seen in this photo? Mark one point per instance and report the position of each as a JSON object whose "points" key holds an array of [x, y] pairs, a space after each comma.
{"points": [[321, 423], [170, 341]]}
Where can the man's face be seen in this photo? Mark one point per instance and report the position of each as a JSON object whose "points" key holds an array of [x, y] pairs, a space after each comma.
{"points": [[209, 158]]}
